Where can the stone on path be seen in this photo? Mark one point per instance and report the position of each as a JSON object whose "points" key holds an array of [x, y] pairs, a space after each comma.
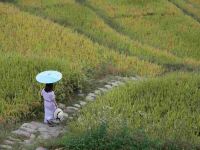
{"points": [[90, 98], [71, 118], [77, 105], [27, 142], [81, 95], [62, 148], [108, 86], [92, 95], [119, 82], [22, 133], [5, 147], [82, 103], [43, 129], [126, 78], [103, 89], [65, 115], [114, 84], [119, 78], [32, 137], [30, 130], [44, 136], [70, 109], [29, 125], [61, 106], [40, 148], [98, 92], [133, 78], [14, 139], [9, 142]]}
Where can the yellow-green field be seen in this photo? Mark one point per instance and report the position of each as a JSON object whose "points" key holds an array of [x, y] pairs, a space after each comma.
{"points": [[157, 23], [30, 44], [190, 7], [165, 108], [87, 39], [86, 21]]}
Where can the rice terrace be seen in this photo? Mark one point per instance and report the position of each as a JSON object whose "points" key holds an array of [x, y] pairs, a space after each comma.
{"points": [[120, 74]]}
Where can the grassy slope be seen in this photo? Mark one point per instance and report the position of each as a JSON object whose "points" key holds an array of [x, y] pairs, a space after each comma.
{"points": [[189, 7], [165, 108], [30, 44], [154, 22], [86, 21]]}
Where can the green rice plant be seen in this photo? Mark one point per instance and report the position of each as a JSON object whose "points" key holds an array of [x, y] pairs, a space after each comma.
{"points": [[195, 2], [30, 39], [154, 22], [86, 21], [101, 139], [29, 45], [19, 91], [190, 7], [165, 108]]}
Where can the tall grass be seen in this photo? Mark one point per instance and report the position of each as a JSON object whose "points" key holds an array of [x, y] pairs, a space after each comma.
{"points": [[30, 44], [190, 7], [86, 21], [166, 108], [33, 36], [101, 139], [19, 90]]}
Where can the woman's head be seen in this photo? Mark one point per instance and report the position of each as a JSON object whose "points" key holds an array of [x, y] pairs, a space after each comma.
{"points": [[49, 87]]}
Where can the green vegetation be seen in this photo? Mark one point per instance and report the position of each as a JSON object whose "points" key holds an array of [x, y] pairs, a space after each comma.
{"points": [[155, 22], [87, 39], [100, 138], [86, 21], [165, 108], [189, 7], [29, 45]]}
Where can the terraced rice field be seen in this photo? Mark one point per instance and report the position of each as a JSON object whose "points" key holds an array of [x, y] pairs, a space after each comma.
{"points": [[91, 39], [29, 44], [86, 20], [157, 23]]}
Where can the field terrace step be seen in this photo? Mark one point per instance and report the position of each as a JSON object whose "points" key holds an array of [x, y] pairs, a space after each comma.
{"points": [[30, 133]]}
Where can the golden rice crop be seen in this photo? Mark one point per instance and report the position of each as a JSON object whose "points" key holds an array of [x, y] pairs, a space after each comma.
{"points": [[86, 21], [165, 108], [30, 44], [191, 7], [157, 23]]}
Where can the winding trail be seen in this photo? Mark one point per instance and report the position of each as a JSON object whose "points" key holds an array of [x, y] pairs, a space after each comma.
{"points": [[29, 134]]}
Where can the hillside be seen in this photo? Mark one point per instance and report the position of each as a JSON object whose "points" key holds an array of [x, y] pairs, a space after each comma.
{"points": [[91, 40], [101, 28], [30, 44]]}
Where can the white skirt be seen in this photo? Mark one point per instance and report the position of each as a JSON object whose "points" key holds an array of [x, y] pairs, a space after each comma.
{"points": [[49, 109]]}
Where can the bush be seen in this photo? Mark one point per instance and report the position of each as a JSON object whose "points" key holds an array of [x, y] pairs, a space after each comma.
{"points": [[101, 139]]}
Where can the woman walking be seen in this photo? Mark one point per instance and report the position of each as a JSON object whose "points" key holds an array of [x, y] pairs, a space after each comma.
{"points": [[48, 95], [50, 104]]}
